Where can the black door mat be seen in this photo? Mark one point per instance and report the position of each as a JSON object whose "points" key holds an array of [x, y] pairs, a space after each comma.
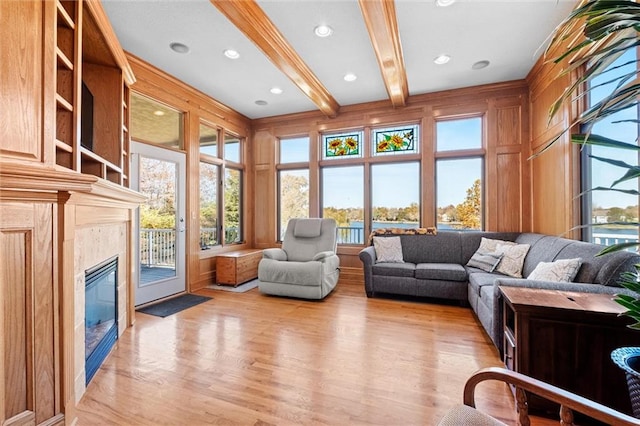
{"points": [[171, 306]]}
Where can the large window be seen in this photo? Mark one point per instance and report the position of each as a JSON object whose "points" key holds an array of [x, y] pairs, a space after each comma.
{"points": [[393, 207], [343, 200], [293, 181], [610, 210], [459, 192], [217, 188]]}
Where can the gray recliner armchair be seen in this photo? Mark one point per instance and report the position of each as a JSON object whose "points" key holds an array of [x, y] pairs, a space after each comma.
{"points": [[306, 266]]}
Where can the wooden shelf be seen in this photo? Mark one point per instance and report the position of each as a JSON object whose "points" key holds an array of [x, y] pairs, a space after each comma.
{"points": [[90, 53], [62, 102], [63, 60], [64, 16], [63, 146]]}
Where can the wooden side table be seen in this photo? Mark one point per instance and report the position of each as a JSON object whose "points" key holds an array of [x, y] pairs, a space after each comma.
{"points": [[566, 339], [237, 267]]}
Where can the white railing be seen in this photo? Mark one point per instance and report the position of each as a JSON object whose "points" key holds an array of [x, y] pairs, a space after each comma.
{"points": [[350, 235], [610, 239], [158, 247]]}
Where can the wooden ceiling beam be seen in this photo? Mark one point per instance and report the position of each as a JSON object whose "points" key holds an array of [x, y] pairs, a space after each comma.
{"points": [[249, 18], [380, 19]]}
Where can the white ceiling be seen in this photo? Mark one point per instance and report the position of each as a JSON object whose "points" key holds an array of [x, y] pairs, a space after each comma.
{"points": [[508, 33]]}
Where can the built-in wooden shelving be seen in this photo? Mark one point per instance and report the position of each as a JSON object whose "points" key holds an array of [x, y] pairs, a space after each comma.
{"points": [[88, 53]]}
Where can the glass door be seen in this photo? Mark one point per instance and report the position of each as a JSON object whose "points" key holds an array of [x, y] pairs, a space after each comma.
{"points": [[160, 175]]}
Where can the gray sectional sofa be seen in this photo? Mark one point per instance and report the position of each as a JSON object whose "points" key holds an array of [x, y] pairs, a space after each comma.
{"points": [[436, 266]]}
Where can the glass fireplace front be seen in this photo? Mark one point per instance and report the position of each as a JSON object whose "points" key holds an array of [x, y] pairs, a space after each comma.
{"points": [[101, 313]]}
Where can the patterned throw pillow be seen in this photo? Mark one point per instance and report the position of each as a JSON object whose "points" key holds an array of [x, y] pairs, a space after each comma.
{"points": [[513, 259], [487, 261], [388, 249], [490, 245], [564, 270]]}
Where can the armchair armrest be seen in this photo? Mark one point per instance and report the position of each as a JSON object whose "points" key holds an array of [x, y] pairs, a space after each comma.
{"points": [[274, 253], [320, 257], [568, 401]]}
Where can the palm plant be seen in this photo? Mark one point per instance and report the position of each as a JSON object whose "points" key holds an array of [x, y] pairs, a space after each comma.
{"points": [[592, 38]]}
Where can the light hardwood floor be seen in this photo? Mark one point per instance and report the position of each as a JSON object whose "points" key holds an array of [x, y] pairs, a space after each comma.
{"points": [[251, 359]]}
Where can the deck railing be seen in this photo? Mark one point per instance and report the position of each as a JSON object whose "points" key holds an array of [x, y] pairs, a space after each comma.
{"points": [[350, 235], [610, 239], [157, 246]]}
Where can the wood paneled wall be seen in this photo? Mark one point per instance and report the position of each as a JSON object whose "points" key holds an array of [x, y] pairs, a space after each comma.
{"points": [[555, 173], [195, 107], [504, 106]]}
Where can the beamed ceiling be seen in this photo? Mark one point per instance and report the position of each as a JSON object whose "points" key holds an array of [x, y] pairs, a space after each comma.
{"points": [[390, 47]]}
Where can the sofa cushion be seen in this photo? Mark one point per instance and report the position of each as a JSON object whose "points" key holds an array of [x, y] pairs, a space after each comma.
{"points": [[394, 269], [441, 248], [543, 249], [512, 259], [388, 249], [481, 279], [441, 271], [561, 270], [591, 264]]}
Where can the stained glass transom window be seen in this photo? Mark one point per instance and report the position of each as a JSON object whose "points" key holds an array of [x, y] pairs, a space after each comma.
{"points": [[342, 145], [397, 140]]}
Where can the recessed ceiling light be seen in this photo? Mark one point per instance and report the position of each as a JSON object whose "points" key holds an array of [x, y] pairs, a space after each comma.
{"points": [[442, 59], [158, 113], [276, 90], [179, 47], [350, 77], [261, 102], [231, 54], [323, 30], [445, 3], [480, 64]]}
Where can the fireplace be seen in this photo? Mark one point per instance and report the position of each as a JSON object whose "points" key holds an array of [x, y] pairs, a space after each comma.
{"points": [[101, 314]]}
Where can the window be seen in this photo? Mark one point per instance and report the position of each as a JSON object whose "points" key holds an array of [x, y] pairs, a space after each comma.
{"points": [[459, 193], [293, 181], [156, 123], [208, 140], [232, 206], [232, 148], [602, 207], [391, 207], [457, 135], [218, 224], [294, 196], [343, 200], [342, 145], [294, 150], [209, 182], [394, 141]]}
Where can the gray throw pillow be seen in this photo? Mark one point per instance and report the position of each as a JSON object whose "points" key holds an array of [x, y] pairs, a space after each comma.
{"points": [[485, 260]]}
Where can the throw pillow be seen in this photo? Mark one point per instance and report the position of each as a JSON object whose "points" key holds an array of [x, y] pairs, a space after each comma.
{"points": [[388, 249], [490, 245], [487, 261], [564, 270], [513, 258]]}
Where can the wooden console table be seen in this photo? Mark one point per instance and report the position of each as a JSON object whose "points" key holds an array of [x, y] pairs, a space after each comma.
{"points": [[237, 267], [566, 339]]}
